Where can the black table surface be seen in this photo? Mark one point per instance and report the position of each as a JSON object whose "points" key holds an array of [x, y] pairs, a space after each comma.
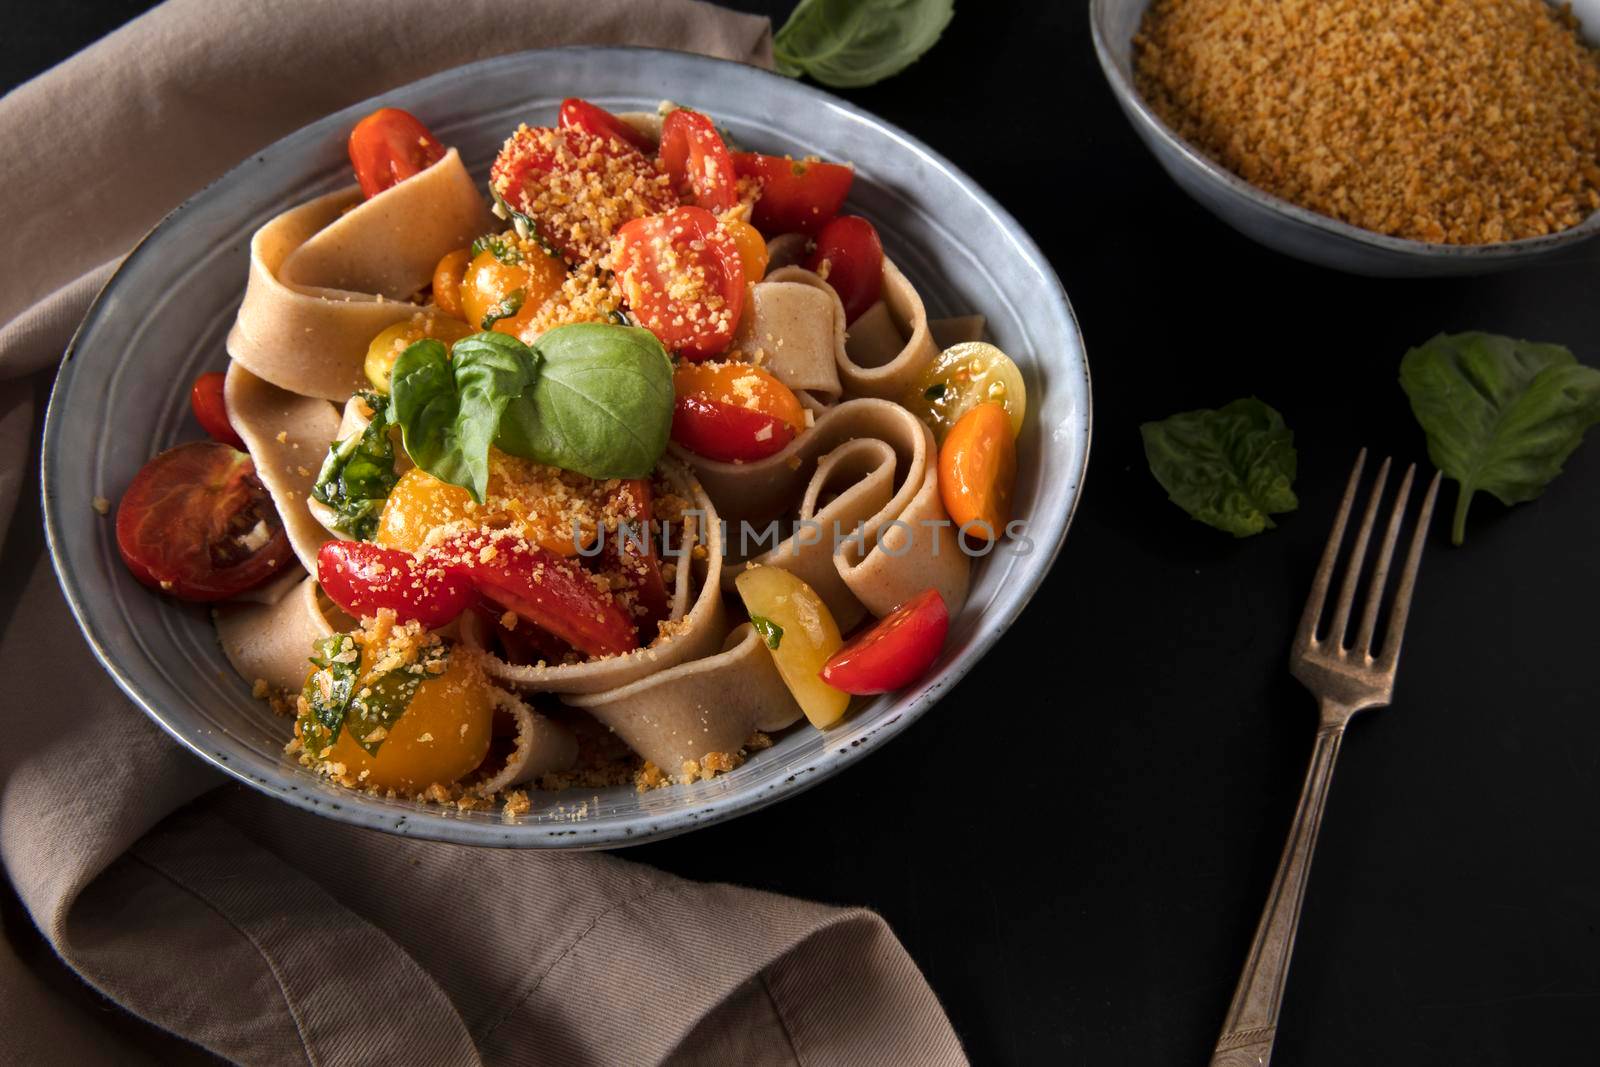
{"points": [[1076, 843]]}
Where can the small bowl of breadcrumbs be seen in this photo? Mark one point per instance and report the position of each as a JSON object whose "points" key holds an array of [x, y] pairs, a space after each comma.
{"points": [[1384, 137]]}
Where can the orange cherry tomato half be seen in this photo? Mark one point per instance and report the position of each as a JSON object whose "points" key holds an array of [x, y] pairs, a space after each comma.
{"points": [[797, 196], [549, 591], [850, 256], [896, 651], [977, 466], [197, 523], [447, 278], [681, 275], [697, 161], [211, 410], [389, 146], [579, 114], [733, 412], [363, 578]]}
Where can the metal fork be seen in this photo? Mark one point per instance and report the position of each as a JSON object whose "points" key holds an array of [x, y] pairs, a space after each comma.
{"points": [[1345, 679]]}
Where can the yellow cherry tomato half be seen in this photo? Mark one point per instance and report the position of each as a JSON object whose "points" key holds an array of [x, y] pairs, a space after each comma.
{"points": [[387, 346], [507, 283], [964, 376], [752, 248], [447, 278], [977, 468], [801, 633], [519, 494]]}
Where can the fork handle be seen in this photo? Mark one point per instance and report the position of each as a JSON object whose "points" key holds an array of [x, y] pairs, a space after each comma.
{"points": [[1252, 1022]]}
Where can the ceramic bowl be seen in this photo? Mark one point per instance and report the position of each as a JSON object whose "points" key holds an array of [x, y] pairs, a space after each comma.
{"points": [[162, 319], [1288, 228]]}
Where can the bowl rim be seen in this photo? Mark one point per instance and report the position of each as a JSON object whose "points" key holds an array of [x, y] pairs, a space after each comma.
{"points": [[432, 822], [1134, 103]]}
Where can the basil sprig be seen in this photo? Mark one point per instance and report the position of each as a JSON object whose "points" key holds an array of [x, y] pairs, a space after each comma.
{"points": [[590, 397], [1501, 415], [1232, 468], [851, 43], [358, 473]]}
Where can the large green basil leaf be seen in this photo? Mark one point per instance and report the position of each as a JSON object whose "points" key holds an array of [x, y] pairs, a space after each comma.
{"points": [[449, 405], [1231, 468], [602, 405], [358, 473], [850, 43], [1501, 415]]}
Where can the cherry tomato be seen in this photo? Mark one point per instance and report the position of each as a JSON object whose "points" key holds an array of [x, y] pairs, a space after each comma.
{"points": [[579, 114], [797, 196], [638, 563], [447, 282], [977, 466], [895, 651], [196, 523], [799, 630], [697, 161], [753, 256], [681, 275], [384, 350], [733, 412], [211, 410], [964, 376], [553, 593], [850, 256], [362, 578], [389, 146], [503, 291]]}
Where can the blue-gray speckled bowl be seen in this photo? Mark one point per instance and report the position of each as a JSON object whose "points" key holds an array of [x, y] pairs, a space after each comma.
{"points": [[1289, 228], [162, 320]]}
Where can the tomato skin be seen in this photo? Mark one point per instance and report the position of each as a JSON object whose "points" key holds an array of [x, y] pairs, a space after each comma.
{"points": [[579, 114], [362, 578], [727, 432], [691, 237], [182, 521], [642, 569], [850, 247], [553, 593], [389, 146], [211, 410], [895, 651], [447, 277], [753, 256], [977, 467], [697, 161], [797, 196]]}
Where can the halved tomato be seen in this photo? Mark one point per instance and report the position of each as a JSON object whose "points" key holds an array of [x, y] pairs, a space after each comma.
{"points": [[850, 257], [895, 651], [389, 146], [632, 549], [197, 523], [363, 578], [797, 195], [681, 275], [697, 161], [579, 114], [733, 412], [211, 410]]}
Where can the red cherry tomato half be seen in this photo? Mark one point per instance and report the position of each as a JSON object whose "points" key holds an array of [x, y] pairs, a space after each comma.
{"points": [[895, 651], [389, 146], [681, 274], [549, 591], [362, 578], [211, 411], [727, 432], [579, 114], [797, 196], [850, 247], [632, 549], [196, 523], [697, 161]]}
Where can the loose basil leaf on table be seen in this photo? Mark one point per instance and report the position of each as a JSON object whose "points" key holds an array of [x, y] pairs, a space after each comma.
{"points": [[851, 43], [358, 473], [602, 405], [449, 404], [1232, 468], [1500, 415]]}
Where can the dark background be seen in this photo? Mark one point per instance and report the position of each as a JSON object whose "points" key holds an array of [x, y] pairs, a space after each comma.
{"points": [[1076, 843]]}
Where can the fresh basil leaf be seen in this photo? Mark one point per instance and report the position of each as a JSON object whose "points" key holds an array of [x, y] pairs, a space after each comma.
{"points": [[602, 404], [378, 705], [1501, 415], [449, 407], [851, 43], [358, 473], [328, 690], [504, 308], [1231, 468], [770, 631], [502, 250]]}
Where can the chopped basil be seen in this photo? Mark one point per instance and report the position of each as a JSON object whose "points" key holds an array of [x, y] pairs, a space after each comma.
{"points": [[358, 473], [504, 309], [333, 703], [502, 250], [376, 707], [523, 223], [770, 631]]}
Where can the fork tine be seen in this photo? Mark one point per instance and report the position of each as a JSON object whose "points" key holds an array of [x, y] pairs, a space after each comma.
{"points": [[1380, 569], [1358, 552], [1408, 581], [1319, 585]]}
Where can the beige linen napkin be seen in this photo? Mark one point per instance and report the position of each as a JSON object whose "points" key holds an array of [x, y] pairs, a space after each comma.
{"points": [[258, 932]]}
